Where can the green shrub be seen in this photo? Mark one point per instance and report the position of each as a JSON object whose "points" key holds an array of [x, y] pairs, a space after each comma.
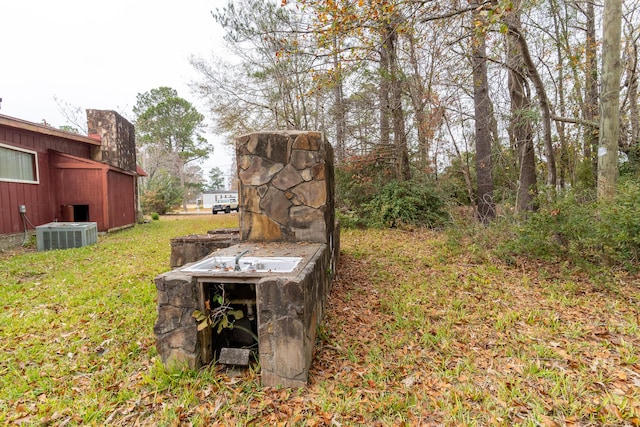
{"points": [[161, 194], [618, 225], [155, 216], [452, 181], [367, 195], [556, 230], [350, 220], [581, 230], [405, 203], [358, 181]]}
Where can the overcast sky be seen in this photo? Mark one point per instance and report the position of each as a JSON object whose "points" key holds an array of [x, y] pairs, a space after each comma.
{"points": [[100, 55]]}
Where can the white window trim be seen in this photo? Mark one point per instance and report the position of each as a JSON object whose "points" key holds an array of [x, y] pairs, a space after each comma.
{"points": [[35, 159]]}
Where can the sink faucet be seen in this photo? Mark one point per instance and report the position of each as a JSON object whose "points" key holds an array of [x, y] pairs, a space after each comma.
{"points": [[237, 267]]}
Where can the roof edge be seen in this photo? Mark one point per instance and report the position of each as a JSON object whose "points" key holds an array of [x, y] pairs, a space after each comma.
{"points": [[102, 165], [46, 130]]}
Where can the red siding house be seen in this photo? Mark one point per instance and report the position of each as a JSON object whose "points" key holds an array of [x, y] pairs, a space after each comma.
{"points": [[61, 176]]}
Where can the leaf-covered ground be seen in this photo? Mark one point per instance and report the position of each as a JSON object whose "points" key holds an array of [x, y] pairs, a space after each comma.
{"points": [[420, 329]]}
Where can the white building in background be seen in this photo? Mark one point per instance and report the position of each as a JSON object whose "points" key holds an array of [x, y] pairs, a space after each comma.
{"points": [[206, 200]]}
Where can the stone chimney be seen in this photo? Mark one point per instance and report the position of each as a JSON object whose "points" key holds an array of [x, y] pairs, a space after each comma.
{"points": [[117, 136], [285, 187]]}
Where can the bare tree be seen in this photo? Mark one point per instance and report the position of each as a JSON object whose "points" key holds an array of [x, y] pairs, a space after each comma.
{"points": [[520, 127], [630, 132], [401, 151], [543, 100], [483, 113], [339, 108], [590, 109]]}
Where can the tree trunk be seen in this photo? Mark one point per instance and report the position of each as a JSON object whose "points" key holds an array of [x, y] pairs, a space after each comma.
{"points": [[482, 109], [339, 108], [417, 92], [520, 128], [401, 150], [545, 108], [632, 73], [590, 110], [383, 96], [610, 100], [631, 146], [560, 128]]}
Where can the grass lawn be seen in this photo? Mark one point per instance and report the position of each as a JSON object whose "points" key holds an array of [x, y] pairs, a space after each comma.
{"points": [[421, 329]]}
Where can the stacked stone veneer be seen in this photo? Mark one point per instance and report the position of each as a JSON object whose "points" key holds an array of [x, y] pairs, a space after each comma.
{"points": [[290, 307], [117, 148], [178, 341], [286, 187], [117, 136], [289, 312], [286, 198], [191, 248]]}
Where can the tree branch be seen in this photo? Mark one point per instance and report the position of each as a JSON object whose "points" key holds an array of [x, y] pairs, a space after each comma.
{"points": [[457, 12], [575, 121]]}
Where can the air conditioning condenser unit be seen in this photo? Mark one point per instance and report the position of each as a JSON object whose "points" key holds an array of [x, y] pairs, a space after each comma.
{"points": [[65, 235]]}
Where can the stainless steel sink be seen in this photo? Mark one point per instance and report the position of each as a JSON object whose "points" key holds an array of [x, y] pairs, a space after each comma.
{"points": [[252, 264]]}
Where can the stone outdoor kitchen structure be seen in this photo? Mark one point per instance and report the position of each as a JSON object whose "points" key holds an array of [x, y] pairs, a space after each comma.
{"points": [[273, 281]]}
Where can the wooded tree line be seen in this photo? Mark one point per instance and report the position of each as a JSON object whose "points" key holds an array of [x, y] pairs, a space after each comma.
{"points": [[497, 100]]}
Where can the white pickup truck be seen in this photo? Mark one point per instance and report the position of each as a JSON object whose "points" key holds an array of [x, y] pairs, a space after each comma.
{"points": [[225, 205]]}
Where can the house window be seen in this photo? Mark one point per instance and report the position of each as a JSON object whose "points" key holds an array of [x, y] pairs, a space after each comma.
{"points": [[18, 165]]}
